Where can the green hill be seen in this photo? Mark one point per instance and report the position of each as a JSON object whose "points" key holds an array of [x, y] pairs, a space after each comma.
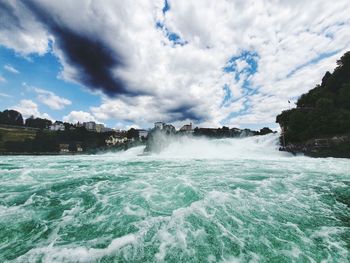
{"points": [[323, 112], [15, 134]]}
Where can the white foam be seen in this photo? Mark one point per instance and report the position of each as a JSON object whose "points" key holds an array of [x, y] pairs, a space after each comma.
{"points": [[257, 147], [133, 210], [77, 254]]}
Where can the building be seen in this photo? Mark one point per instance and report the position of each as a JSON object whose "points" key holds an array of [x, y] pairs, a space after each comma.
{"points": [[90, 125], [115, 140], [63, 147], [186, 128], [159, 125], [142, 134], [95, 127], [79, 147], [57, 126], [99, 128], [106, 129]]}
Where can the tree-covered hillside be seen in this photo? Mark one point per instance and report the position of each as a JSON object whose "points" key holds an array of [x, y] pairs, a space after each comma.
{"points": [[322, 112]]}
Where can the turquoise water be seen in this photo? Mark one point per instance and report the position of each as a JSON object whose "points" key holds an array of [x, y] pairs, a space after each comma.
{"points": [[197, 201]]}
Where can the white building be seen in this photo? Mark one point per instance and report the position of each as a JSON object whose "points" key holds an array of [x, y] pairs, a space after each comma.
{"points": [[64, 148], [57, 126], [90, 125], [79, 148], [99, 127], [114, 140], [143, 134], [187, 128]]}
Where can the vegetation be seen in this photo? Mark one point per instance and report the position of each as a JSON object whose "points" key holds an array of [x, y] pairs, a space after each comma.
{"points": [[322, 112], [132, 134], [14, 118], [38, 123], [226, 132], [46, 141], [8, 134], [11, 117], [33, 135]]}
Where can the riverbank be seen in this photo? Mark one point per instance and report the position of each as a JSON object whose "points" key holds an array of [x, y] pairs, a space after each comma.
{"points": [[335, 146], [41, 153]]}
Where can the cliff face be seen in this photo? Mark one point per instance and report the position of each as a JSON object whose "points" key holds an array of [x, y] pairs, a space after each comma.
{"points": [[336, 146], [322, 116]]}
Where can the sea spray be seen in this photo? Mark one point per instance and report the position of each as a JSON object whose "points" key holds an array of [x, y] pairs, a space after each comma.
{"points": [[188, 146]]}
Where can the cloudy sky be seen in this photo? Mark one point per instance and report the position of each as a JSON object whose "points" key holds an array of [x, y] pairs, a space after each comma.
{"points": [[126, 62]]}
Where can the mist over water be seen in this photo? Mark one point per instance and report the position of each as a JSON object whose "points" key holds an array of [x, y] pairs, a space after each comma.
{"points": [[197, 200], [257, 147]]}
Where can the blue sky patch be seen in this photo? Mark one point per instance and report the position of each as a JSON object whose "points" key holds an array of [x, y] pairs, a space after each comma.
{"points": [[242, 68], [166, 7], [312, 61], [172, 36], [244, 73], [40, 72]]}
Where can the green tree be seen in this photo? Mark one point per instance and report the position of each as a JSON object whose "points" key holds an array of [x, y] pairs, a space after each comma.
{"points": [[132, 134], [11, 117], [324, 110], [38, 123]]}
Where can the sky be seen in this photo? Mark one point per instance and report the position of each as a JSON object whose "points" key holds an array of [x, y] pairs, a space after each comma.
{"points": [[128, 63]]}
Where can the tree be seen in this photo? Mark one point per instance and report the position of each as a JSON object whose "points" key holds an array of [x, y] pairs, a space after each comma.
{"points": [[132, 134], [38, 123], [344, 61], [326, 78], [67, 126], [343, 99], [324, 110], [11, 117], [265, 131]]}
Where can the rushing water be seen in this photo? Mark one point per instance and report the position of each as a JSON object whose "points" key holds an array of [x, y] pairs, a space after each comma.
{"points": [[232, 200]]}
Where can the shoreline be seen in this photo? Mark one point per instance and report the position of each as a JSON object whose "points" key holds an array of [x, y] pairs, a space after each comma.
{"points": [[337, 146], [40, 154]]}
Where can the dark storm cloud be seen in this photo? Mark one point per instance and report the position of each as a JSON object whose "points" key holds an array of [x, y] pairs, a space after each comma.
{"points": [[93, 59], [90, 55], [184, 112]]}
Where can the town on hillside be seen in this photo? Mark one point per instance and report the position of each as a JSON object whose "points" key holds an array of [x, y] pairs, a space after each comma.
{"points": [[42, 136]]}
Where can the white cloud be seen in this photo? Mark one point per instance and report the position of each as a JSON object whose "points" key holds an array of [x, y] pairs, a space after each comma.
{"points": [[78, 116], [2, 79], [51, 99], [29, 108], [289, 37], [22, 32], [4, 95], [11, 69]]}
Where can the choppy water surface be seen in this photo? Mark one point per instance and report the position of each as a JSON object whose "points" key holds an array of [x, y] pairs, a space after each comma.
{"points": [[197, 201]]}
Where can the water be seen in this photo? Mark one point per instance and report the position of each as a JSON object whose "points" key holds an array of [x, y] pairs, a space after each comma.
{"points": [[232, 200]]}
